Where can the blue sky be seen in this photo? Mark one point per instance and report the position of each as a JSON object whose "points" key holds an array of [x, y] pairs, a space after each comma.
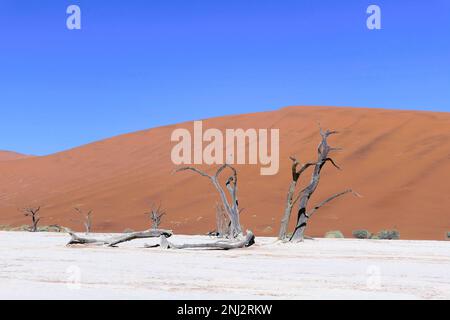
{"points": [[140, 64]]}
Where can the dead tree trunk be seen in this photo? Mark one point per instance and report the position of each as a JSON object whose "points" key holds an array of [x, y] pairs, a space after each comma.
{"points": [[87, 222], [302, 216], [290, 196], [222, 221], [248, 241], [310, 213], [115, 240], [34, 214], [231, 184], [231, 209]]}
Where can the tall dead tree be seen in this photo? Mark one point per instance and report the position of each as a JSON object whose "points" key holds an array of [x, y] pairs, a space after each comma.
{"points": [[33, 213], [302, 216], [87, 219], [156, 213], [290, 196], [304, 195], [232, 209]]}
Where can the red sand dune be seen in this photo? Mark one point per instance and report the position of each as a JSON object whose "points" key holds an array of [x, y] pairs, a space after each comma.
{"points": [[9, 155], [397, 160]]}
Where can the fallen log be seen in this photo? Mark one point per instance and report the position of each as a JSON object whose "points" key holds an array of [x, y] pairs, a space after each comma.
{"points": [[248, 241], [115, 240]]}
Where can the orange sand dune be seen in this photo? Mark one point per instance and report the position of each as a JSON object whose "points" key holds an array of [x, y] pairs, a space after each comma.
{"points": [[397, 160], [8, 155]]}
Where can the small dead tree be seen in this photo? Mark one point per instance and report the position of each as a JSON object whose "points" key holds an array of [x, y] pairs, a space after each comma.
{"points": [[232, 209], [33, 213], [304, 196], [87, 219], [156, 213]]}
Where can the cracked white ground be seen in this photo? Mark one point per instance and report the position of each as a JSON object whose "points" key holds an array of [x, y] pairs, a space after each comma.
{"points": [[40, 266]]}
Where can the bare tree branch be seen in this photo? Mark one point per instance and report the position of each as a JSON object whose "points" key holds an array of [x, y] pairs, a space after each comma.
{"points": [[318, 206], [333, 163], [248, 241], [204, 174], [231, 209], [115, 240]]}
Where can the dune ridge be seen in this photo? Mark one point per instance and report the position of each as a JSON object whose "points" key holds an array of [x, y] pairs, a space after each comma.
{"points": [[10, 155]]}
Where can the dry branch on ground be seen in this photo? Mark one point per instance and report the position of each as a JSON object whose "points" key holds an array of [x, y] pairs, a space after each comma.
{"points": [[115, 240], [228, 244]]}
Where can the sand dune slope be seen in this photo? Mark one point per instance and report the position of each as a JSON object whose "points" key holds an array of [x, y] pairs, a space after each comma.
{"points": [[397, 160], [8, 155]]}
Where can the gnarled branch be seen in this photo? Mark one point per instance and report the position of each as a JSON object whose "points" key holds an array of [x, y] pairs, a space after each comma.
{"points": [[248, 241], [115, 240], [231, 209], [321, 204]]}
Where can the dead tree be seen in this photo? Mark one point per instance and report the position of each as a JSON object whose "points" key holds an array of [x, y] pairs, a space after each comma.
{"points": [[303, 216], [232, 209], [323, 157], [304, 195], [290, 196], [248, 241], [115, 240], [156, 213], [34, 214], [87, 221]]}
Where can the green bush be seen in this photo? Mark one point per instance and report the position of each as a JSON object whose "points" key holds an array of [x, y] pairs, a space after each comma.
{"points": [[448, 235], [334, 234], [361, 234], [389, 235]]}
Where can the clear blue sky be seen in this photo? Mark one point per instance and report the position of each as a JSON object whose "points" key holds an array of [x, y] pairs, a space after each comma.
{"points": [[139, 64]]}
